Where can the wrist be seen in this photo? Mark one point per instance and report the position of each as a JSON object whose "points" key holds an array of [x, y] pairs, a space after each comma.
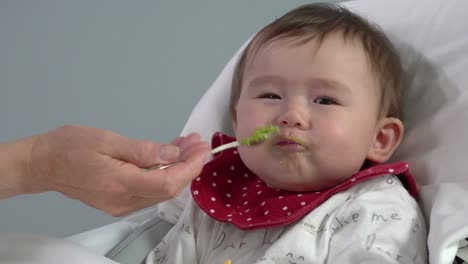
{"points": [[15, 172]]}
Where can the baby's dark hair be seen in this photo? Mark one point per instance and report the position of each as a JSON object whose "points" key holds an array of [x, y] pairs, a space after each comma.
{"points": [[315, 22]]}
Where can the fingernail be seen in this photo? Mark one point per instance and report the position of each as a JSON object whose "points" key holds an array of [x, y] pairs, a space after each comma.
{"points": [[168, 153]]}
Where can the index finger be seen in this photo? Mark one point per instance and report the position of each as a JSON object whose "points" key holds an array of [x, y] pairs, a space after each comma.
{"points": [[167, 183]]}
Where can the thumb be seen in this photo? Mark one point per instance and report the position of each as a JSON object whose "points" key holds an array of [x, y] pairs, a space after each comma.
{"points": [[144, 153]]}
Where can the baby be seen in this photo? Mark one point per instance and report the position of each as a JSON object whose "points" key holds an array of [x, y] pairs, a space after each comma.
{"points": [[317, 191]]}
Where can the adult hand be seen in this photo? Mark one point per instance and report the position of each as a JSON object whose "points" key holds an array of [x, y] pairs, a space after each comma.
{"points": [[100, 168]]}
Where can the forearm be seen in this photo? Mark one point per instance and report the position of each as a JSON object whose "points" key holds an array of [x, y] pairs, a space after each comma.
{"points": [[14, 167]]}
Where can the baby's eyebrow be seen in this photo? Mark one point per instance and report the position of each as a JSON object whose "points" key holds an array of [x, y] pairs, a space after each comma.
{"points": [[262, 80], [329, 84]]}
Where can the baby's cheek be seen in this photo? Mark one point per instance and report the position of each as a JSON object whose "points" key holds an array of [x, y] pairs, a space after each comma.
{"points": [[249, 118], [334, 134], [251, 158]]}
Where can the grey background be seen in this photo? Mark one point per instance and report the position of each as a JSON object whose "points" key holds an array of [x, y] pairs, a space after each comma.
{"points": [[134, 67]]}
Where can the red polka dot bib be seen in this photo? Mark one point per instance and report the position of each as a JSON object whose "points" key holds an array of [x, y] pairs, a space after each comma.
{"points": [[229, 192]]}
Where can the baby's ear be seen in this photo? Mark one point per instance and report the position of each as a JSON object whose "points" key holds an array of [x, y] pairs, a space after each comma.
{"points": [[388, 136]]}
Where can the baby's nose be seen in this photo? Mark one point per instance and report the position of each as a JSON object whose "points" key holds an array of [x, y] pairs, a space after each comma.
{"points": [[294, 118]]}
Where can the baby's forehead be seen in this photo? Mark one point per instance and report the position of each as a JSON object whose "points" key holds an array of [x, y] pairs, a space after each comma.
{"points": [[334, 51], [334, 40]]}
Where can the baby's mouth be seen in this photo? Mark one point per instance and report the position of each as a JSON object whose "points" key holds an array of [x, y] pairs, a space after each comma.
{"points": [[290, 142]]}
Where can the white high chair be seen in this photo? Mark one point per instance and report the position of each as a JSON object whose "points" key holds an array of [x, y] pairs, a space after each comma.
{"points": [[432, 37]]}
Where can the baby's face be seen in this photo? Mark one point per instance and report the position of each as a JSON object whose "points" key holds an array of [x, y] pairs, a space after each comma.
{"points": [[325, 102]]}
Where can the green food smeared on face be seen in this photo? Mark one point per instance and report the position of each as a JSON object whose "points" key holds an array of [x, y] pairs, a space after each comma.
{"points": [[259, 135]]}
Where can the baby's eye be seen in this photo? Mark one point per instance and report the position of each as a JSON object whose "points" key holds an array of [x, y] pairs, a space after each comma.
{"points": [[269, 96], [325, 101]]}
